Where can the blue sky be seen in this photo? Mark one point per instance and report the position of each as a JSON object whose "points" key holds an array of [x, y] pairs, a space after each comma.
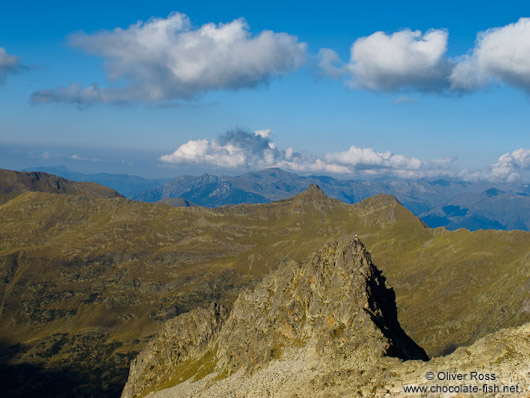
{"points": [[421, 98]]}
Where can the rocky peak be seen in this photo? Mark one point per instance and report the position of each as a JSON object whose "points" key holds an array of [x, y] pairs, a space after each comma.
{"points": [[334, 308], [180, 343], [312, 191], [337, 306], [312, 196]]}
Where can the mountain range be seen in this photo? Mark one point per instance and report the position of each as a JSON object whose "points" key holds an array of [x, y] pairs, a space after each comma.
{"points": [[451, 204], [86, 282]]}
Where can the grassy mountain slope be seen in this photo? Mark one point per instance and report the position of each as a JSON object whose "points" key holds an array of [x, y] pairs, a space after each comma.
{"points": [[13, 183], [126, 184], [85, 281], [177, 202]]}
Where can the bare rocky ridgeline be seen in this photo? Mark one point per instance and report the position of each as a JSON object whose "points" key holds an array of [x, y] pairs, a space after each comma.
{"points": [[335, 308], [324, 328]]}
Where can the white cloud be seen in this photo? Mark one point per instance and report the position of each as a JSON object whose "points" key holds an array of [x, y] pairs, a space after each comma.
{"points": [[369, 162], [165, 59], [77, 157], [263, 133], [234, 149], [46, 155], [8, 64], [510, 167], [330, 63], [76, 94], [500, 53], [412, 60], [404, 59], [313, 166], [242, 150]]}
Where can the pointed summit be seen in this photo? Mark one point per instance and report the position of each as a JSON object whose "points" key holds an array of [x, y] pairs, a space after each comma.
{"points": [[314, 188], [333, 311], [313, 191]]}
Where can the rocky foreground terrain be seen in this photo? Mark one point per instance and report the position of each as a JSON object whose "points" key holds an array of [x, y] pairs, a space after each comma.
{"points": [[327, 327]]}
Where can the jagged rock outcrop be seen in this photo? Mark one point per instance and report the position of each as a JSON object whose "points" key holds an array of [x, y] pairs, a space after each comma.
{"points": [[495, 366], [335, 309], [324, 328], [337, 306], [181, 340]]}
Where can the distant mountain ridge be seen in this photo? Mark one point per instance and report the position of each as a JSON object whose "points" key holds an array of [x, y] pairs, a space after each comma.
{"points": [[447, 203], [126, 184], [490, 209], [452, 204]]}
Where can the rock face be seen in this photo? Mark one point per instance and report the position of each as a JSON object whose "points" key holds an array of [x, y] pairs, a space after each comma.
{"points": [[337, 304], [336, 308], [181, 339], [323, 328], [494, 366]]}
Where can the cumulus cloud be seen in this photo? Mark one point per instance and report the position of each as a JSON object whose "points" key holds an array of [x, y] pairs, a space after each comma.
{"points": [[165, 59], [9, 64], [510, 167], [363, 158], [412, 60], [243, 150], [369, 162], [234, 149], [501, 54], [76, 94], [239, 149], [402, 60]]}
